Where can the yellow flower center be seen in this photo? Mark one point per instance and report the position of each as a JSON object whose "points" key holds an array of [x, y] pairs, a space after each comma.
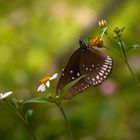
{"points": [[44, 79]]}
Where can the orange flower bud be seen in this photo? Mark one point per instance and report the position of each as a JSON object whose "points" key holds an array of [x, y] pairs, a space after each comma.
{"points": [[96, 41]]}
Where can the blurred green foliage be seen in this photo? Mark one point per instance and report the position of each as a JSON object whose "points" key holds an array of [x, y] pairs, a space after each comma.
{"points": [[34, 37]]}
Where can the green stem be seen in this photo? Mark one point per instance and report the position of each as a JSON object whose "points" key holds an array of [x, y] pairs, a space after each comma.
{"points": [[9, 108], [113, 51], [30, 130], [21, 116], [123, 50], [104, 31], [127, 64], [115, 44], [66, 121], [132, 73]]}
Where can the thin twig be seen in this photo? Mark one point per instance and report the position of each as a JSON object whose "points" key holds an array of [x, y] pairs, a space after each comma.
{"points": [[26, 123], [7, 108], [66, 121], [127, 64], [19, 115], [115, 44], [112, 51]]}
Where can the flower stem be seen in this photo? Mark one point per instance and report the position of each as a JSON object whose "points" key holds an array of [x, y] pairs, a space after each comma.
{"points": [[112, 51], [66, 121], [18, 114], [127, 64], [7, 107], [26, 123], [132, 73], [115, 45], [30, 130], [104, 31]]}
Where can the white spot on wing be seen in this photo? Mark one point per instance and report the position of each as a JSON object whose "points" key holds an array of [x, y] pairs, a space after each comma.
{"points": [[102, 71], [108, 58], [78, 74], [106, 73], [108, 61], [93, 79], [101, 74], [71, 71], [108, 70], [105, 66], [97, 77]]}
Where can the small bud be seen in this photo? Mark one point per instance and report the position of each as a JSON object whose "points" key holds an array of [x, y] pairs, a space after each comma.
{"points": [[115, 36], [19, 101], [117, 30], [57, 97], [49, 95], [102, 23]]}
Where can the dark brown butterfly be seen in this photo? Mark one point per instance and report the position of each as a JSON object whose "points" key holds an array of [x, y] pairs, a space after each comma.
{"points": [[94, 64]]}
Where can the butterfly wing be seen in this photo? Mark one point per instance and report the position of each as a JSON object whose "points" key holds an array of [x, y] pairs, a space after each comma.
{"points": [[96, 66], [70, 72], [79, 87]]}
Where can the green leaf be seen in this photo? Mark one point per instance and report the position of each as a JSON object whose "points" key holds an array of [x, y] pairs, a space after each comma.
{"points": [[135, 46], [37, 100], [120, 45], [69, 85]]}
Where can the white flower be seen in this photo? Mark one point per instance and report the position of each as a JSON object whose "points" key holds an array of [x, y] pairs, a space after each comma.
{"points": [[45, 82], [102, 23], [54, 76], [5, 95]]}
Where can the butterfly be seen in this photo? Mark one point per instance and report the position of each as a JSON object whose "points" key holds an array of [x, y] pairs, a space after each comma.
{"points": [[86, 61]]}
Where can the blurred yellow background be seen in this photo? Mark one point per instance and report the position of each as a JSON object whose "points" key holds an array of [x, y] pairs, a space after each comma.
{"points": [[37, 38]]}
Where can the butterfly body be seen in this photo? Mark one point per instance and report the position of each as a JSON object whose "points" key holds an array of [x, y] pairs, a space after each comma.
{"points": [[92, 64], [83, 46]]}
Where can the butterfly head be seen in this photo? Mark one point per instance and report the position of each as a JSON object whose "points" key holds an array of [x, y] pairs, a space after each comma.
{"points": [[83, 45]]}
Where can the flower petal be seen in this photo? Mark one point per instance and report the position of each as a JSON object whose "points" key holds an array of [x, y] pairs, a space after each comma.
{"points": [[54, 76], [48, 84], [41, 88], [2, 96]]}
